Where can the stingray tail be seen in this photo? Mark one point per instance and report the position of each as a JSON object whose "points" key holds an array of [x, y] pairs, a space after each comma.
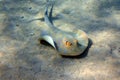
{"points": [[48, 17]]}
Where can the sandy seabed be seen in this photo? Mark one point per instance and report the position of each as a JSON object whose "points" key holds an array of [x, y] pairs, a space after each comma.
{"points": [[22, 57]]}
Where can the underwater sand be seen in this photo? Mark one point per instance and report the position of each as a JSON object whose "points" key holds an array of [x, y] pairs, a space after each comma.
{"points": [[22, 57]]}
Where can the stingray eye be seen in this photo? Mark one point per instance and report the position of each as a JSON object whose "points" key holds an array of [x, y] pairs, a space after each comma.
{"points": [[68, 43]]}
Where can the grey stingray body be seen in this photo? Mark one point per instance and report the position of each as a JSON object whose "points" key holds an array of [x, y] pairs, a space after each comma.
{"points": [[66, 43], [21, 19]]}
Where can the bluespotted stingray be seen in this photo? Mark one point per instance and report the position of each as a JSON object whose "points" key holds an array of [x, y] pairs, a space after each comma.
{"points": [[65, 42], [21, 19]]}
